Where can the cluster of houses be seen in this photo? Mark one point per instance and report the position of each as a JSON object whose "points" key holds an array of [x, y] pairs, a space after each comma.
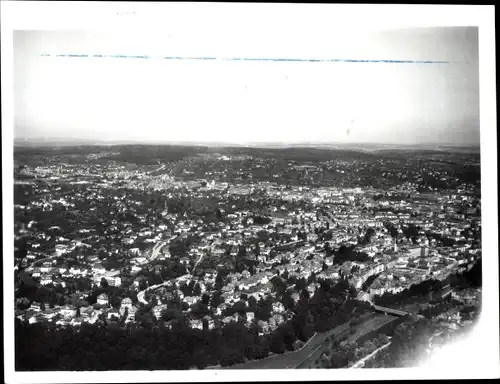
{"points": [[334, 211], [70, 315]]}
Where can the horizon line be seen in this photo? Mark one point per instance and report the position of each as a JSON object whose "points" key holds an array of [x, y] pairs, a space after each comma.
{"points": [[78, 141]]}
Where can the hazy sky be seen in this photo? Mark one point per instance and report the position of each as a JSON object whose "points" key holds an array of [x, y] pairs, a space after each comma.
{"points": [[248, 101]]}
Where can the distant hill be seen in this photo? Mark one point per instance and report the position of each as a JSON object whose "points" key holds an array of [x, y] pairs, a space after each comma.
{"points": [[363, 147]]}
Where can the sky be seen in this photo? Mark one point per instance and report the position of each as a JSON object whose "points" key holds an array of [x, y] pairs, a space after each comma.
{"points": [[243, 101]]}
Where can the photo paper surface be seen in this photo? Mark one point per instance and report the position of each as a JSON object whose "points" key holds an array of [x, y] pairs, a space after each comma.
{"points": [[297, 191]]}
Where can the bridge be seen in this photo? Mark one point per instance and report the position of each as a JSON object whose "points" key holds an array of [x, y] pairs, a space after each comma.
{"points": [[390, 311]]}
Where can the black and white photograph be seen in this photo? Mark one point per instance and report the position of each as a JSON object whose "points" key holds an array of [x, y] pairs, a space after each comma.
{"points": [[191, 189]]}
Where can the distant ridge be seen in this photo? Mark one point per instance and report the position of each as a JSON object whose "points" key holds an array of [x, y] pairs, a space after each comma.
{"points": [[58, 142]]}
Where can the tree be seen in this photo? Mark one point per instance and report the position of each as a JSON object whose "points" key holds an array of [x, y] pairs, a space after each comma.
{"points": [[170, 314], [382, 339], [199, 309], [287, 301], [324, 267], [264, 309], [252, 304], [125, 315], [104, 283], [285, 275], [252, 270], [205, 324], [328, 249], [369, 346], [393, 232], [196, 289], [78, 312], [411, 231], [60, 300], [217, 299], [279, 285], [242, 251], [301, 284], [352, 292], [338, 360], [23, 303], [219, 283], [205, 299]]}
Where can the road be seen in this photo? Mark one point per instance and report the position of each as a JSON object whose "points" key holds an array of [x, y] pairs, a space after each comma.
{"points": [[37, 263], [154, 254], [361, 363], [159, 169], [198, 261], [156, 250], [140, 295]]}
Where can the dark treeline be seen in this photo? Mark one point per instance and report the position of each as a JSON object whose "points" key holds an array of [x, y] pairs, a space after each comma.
{"points": [[366, 285], [475, 275], [151, 154], [467, 279], [301, 153], [345, 253], [107, 345]]}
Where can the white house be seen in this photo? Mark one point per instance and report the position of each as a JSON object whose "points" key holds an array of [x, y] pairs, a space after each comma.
{"points": [[190, 299], [75, 322], [158, 310], [195, 323], [114, 281], [35, 306], [220, 309], [278, 307], [102, 299], [36, 272], [46, 267], [45, 279], [61, 249], [279, 319], [113, 313], [211, 322], [98, 269], [75, 271], [68, 311], [126, 303]]}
